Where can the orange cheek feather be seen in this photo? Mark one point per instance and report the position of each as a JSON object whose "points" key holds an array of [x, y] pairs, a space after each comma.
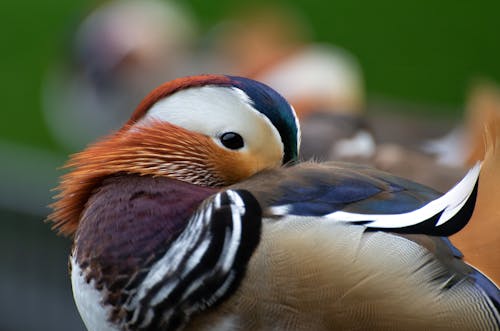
{"points": [[159, 149], [236, 166]]}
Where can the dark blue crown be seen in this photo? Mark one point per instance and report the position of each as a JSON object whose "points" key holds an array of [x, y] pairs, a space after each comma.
{"points": [[277, 109]]}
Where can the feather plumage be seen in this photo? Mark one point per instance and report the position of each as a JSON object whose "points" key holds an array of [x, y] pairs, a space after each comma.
{"points": [[168, 233], [308, 275]]}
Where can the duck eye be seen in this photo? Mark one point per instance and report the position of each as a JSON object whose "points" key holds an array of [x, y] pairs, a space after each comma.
{"points": [[232, 140]]}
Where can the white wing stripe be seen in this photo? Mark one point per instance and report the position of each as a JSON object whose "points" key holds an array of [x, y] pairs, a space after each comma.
{"points": [[450, 203], [234, 242]]}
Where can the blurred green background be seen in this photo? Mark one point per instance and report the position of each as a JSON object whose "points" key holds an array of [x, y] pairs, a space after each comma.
{"points": [[419, 51], [423, 53]]}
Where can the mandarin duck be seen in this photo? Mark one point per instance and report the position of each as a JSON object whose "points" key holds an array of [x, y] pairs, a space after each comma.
{"points": [[196, 215]]}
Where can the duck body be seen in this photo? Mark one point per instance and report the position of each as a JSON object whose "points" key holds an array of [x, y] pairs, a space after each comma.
{"points": [[130, 221], [166, 240]]}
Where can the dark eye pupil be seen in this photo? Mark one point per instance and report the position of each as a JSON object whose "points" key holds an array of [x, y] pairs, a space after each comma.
{"points": [[232, 140]]}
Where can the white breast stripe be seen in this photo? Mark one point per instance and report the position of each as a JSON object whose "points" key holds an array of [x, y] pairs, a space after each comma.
{"points": [[450, 203], [221, 290], [236, 201], [231, 242], [196, 256], [148, 318], [234, 241]]}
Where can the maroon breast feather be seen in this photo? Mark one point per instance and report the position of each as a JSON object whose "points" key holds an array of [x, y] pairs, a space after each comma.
{"points": [[128, 224]]}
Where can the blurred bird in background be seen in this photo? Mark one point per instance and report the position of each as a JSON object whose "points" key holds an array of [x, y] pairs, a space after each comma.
{"points": [[119, 52], [449, 155], [197, 215]]}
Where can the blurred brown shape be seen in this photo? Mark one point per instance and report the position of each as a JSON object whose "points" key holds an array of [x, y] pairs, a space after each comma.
{"points": [[483, 110], [260, 36], [480, 240], [272, 43]]}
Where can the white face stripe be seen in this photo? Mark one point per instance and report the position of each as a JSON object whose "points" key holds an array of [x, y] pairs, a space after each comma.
{"points": [[213, 110], [297, 124]]}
